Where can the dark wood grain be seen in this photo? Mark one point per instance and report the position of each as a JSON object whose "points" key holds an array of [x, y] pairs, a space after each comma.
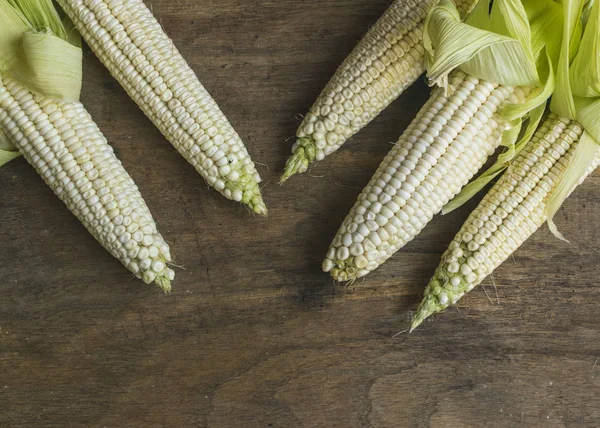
{"points": [[254, 335]]}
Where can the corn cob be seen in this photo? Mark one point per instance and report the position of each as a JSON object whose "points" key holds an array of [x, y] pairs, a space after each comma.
{"points": [[388, 59], [447, 143], [62, 142], [508, 215], [130, 42]]}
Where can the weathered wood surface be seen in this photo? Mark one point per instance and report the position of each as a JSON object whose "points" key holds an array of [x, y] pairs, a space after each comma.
{"points": [[254, 335]]}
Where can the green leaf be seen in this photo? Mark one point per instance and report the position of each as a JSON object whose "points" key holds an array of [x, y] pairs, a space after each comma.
{"points": [[7, 155], [539, 95], [533, 24], [585, 153], [494, 47], [41, 51], [41, 15], [584, 72], [12, 28], [578, 97], [8, 151], [52, 66], [588, 115], [37, 49], [545, 17], [562, 100]]}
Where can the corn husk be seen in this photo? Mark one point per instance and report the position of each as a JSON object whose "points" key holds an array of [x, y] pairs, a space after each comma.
{"points": [[577, 97], [508, 43], [40, 51], [579, 103]]}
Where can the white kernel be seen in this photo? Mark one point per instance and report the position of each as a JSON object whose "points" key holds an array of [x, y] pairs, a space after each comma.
{"points": [[361, 262], [453, 267], [457, 252], [158, 266], [330, 253], [237, 195], [443, 298], [145, 264], [153, 252], [327, 265], [374, 238], [343, 253], [347, 239], [471, 278], [356, 249], [472, 263], [465, 269]]}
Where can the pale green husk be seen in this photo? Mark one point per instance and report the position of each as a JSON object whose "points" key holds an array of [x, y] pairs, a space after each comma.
{"points": [[577, 97], [509, 43], [7, 150], [575, 100], [482, 40], [40, 51]]}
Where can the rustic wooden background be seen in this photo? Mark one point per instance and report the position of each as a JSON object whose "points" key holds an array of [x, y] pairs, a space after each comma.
{"points": [[254, 334]]}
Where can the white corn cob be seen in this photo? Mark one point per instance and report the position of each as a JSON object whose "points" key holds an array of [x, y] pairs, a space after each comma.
{"points": [[447, 143], [130, 42], [387, 60], [62, 142], [508, 215]]}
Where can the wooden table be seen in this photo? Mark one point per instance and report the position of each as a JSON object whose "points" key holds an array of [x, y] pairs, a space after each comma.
{"points": [[254, 334]]}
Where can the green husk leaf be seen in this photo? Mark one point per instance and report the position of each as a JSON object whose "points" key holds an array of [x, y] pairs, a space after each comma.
{"points": [[7, 155], [39, 50], [41, 15], [577, 97], [492, 46], [12, 28], [584, 155], [7, 150], [587, 9], [5, 143], [480, 13], [52, 67], [588, 115], [539, 95], [562, 100], [545, 16], [584, 72], [545, 46]]}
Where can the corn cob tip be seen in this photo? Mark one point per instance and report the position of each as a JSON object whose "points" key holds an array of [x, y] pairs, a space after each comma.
{"points": [[429, 306], [304, 153], [343, 270], [258, 206], [156, 270], [344, 274], [253, 199], [162, 279], [446, 287], [244, 187], [164, 284]]}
